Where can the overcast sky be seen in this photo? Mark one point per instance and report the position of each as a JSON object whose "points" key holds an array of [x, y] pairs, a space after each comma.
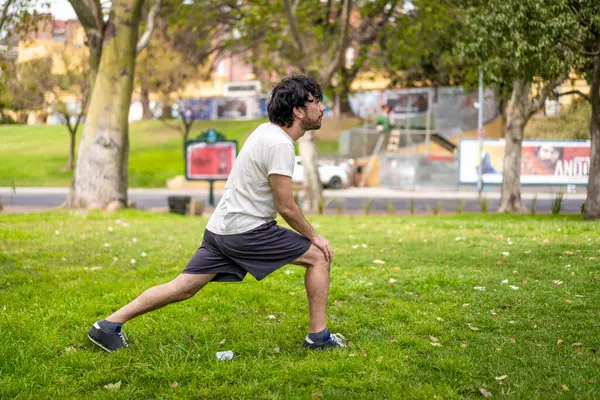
{"points": [[62, 9]]}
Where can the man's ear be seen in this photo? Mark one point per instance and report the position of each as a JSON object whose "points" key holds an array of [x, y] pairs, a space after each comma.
{"points": [[298, 113]]}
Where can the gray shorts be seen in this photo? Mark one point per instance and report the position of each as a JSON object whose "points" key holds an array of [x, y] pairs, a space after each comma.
{"points": [[259, 251]]}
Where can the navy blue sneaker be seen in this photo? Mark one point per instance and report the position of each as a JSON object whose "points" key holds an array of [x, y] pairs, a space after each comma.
{"points": [[106, 340], [334, 340]]}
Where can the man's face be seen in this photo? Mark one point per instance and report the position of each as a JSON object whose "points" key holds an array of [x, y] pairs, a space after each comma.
{"points": [[313, 114]]}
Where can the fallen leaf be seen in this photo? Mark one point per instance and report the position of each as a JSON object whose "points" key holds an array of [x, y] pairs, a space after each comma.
{"points": [[271, 316], [433, 339], [355, 246], [564, 387], [378, 262], [364, 353], [396, 268], [292, 293], [501, 378], [512, 340], [578, 344], [546, 241], [485, 393], [392, 280], [276, 350], [391, 341], [500, 262], [505, 253], [568, 252], [317, 396], [436, 344], [4, 308], [222, 342], [205, 318], [560, 341], [113, 386], [369, 283], [440, 319], [493, 314], [473, 328], [592, 380], [174, 384], [466, 305], [463, 346]]}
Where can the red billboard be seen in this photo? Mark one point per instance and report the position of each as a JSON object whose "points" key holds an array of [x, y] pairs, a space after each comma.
{"points": [[210, 160]]}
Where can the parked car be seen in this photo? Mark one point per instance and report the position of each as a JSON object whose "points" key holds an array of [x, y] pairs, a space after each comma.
{"points": [[331, 176]]}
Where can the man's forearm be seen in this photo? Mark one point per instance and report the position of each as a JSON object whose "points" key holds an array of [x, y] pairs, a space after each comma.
{"points": [[294, 217]]}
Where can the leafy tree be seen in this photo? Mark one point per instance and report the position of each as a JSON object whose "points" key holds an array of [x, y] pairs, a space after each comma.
{"points": [[26, 85], [514, 44], [74, 83], [421, 47], [577, 27]]}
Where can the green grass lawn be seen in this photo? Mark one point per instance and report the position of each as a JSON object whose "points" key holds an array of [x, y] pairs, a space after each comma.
{"points": [[34, 155], [508, 304]]}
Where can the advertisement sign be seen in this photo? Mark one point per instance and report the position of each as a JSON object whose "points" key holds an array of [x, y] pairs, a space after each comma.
{"points": [[197, 108], [243, 88], [542, 161], [233, 109], [207, 160]]}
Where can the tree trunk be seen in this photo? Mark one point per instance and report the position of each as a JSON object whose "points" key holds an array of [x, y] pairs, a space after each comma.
{"points": [[145, 100], [69, 166], [592, 201], [166, 109], [312, 183], [345, 109], [100, 177], [347, 77], [511, 172]]}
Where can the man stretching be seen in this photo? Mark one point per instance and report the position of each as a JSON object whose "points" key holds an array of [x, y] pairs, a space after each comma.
{"points": [[241, 235]]}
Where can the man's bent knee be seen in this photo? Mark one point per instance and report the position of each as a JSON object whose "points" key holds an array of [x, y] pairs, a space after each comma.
{"points": [[313, 258]]}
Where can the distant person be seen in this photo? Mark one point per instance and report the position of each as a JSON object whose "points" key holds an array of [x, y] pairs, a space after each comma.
{"points": [[383, 121], [242, 235]]}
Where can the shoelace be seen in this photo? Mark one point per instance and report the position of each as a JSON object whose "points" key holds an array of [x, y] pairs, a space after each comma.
{"points": [[337, 339], [123, 338]]}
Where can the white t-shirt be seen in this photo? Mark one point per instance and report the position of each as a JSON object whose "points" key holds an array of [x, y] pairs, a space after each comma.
{"points": [[247, 200]]}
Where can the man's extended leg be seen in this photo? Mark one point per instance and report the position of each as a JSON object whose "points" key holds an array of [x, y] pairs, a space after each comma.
{"points": [[316, 281], [107, 333], [181, 288]]}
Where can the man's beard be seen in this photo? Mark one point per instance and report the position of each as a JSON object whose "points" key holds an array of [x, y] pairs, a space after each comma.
{"points": [[311, 125]]}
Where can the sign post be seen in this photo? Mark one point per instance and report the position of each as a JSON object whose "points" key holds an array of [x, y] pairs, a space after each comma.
{"points": [[480, 135], [209, 157]]}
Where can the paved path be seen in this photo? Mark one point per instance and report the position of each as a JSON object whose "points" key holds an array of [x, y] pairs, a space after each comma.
{"points": [[350, 199]]}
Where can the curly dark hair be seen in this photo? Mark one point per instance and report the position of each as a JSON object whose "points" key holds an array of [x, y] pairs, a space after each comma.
{"points": [[289, 93]]}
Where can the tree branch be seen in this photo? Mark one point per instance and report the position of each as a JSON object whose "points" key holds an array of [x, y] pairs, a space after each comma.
{"points": [[591, 53], [289, 10], [340, 48], [145, 39], [4, 16], [577, 92], [89, 13], [545, 92]]}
